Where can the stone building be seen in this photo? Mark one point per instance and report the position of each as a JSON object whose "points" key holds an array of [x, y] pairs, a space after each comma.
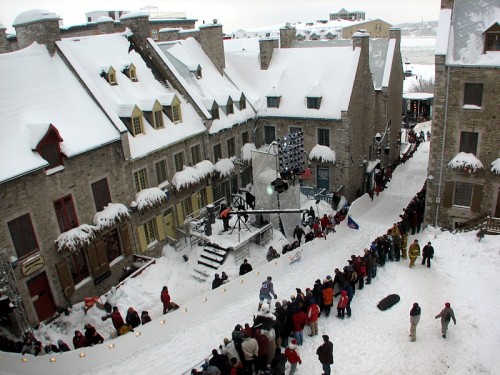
{"points": [[343, 14], [464, 164]]}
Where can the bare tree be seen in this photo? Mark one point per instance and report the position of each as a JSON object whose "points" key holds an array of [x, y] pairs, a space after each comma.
{"points": [[422, 85]]}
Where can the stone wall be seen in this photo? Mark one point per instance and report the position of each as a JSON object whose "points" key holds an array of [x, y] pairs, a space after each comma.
{"points": [[43, 32], [266, 47], [213, 45]]}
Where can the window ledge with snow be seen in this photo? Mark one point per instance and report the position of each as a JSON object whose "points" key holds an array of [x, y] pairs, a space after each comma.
{"points": [[495, 166], [54, 170], [471, 106], [467, 162], [149, 198], [323, 154]]}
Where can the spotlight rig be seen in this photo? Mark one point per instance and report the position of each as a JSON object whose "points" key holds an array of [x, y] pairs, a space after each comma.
{"points": [[291, 155]]}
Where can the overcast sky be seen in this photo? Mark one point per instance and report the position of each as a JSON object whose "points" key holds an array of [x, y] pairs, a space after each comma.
{"points": [[233, 14]]}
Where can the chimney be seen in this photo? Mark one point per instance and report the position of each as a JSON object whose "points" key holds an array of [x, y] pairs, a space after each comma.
{"points": [[138, 23], [39, 26], [287, 36], [4, 42], [267, 47], [361, 39], [105, 25], [447, 4], [168, 34], [395, 33], [212, 43]]}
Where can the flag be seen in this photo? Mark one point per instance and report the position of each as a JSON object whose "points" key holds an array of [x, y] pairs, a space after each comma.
{"points": [[351, 223]]}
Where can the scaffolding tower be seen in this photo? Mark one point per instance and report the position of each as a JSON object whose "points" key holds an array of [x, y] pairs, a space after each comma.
{"points": [[8, 287]]}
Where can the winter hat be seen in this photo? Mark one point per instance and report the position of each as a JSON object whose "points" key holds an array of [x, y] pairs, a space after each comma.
{"points": [[226, 341], [447, 304], [344, 293], [204, 366], [294, 341], [415, 304], [326, 338], [265, 308], [269, 278]]}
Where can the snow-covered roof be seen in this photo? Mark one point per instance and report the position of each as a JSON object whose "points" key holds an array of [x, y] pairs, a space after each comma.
{"points": [[134, 15], [418, 96], [39, 90], [470, 19], [35, 15], [465, 161], [495, 166], [186, 56], [292, 73], [322, 153], [104, 19], [381, 55], [88, 54]]}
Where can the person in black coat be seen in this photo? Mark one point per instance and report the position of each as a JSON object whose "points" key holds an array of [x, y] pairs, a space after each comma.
{"points": [[298, 232], [217, 281], [220, 361], [133, 319], [427, 254], [245, 267]]}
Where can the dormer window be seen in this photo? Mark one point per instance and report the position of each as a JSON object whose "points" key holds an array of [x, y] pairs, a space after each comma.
{"points": [[313, 103], [49, 148], [492, 38], [109, 75], [158, 115], [137, 125], [155, 115], [174, 110], [230, 107], [243, 104], [130, 72], [273, 102], [215, 112]]}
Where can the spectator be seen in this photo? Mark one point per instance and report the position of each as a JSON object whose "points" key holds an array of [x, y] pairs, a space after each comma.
{"points": [[298, 232], [245, 267], [272, 254], [325, 355], [217, 281], [165, 299], [292, 356], [79, 340], [224, 277], [145, 318], [427, 254], [91, 335], [220, 361], [413, 252], [446, 315], [278, 363], [63, 347], [341, 305], [414, 319], [312, 317], [132, 318]]}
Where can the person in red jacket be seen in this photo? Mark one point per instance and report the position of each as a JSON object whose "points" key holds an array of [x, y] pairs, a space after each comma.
{"points": [[165, 299], [261, 361], [342, 304], [117, 319], [299, 321], [312, 317], [292, 356], [79, 340]]}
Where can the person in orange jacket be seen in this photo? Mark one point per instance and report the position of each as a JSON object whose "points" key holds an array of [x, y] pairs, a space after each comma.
{"points": [[327, 295]]}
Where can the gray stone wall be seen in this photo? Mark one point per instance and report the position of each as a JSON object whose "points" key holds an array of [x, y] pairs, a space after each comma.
{"points": [[107, 27], [43, 32], [35, 194], [138, 25], [4, 42], [168, 35], [213, 45], [447, 127], [266, 47]]}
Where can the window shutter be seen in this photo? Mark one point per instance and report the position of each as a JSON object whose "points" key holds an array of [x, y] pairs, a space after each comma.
{"points": [[65, 278], [102, 258], [168, 221], [210, 194], [126, 244], [143, 245], [477, 197], [195, 204], [160, 227], [449, 186], [180, 214], [93, 261]]}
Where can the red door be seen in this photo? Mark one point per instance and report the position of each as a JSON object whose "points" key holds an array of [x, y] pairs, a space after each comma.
{"points": [[41, 296]]}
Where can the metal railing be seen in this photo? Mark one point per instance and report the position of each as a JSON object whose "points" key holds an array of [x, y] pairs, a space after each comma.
{"points": [[484, 222]]}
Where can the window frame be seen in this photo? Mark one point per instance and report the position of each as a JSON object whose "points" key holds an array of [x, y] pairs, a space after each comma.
{"points": [[140, 179], [469, 142], [179, 161], [161, 171], [245, 137], [460, 192], [267, 129], [217, 152], [243, 104], [196, 154], [101, 193], [73, 260], [137, 125], [323, 137], [472, 94], [150, 231], [215, 113], [158, 119], [313, 102], [176, 114], [23, 236], [66, 213], [230, 108], [231, 147], [273, 102]]}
